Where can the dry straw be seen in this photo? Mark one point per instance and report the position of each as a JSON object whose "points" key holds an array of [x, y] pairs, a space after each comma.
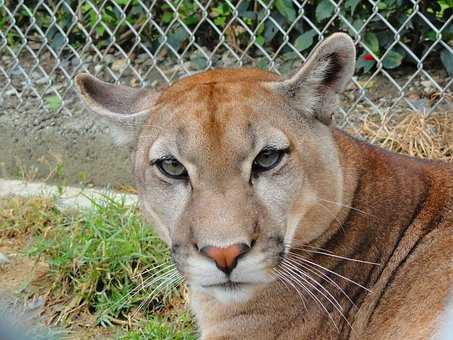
{"points": [[410, 133]]}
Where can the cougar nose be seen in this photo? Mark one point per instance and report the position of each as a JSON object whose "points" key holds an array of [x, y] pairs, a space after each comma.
{"points": [[225, 258]]}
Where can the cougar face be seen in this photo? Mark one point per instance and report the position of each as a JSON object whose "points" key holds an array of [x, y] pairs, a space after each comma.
{"points": [[231, 165], [230, 210]]}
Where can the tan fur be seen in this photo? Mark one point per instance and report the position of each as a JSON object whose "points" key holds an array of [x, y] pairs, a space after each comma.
{"points": [[330, 191]]}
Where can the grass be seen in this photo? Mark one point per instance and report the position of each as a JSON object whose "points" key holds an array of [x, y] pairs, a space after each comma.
{"points": [[95, 259]]}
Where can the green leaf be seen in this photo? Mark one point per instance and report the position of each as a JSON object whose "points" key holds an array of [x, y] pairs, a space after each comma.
{"points": [[372, 42], [285, 7], [260, 40], [430, 36], [324, 10], [100, 30], [122, 2], [447, 59], [305, 40], [167, 17], [220, 21], [351, 4], [193, 20], [392, 60], [53, 103]]}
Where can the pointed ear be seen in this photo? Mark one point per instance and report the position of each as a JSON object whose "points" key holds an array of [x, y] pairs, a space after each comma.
{"points": [[313, 89], [126, 108]]}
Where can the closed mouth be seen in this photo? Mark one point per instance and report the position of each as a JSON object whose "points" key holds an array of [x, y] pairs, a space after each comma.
{"points": [[232, 285]]}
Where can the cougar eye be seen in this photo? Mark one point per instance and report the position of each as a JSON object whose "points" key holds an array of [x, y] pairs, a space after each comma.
{"points": [[267, 159], [171, 167]]}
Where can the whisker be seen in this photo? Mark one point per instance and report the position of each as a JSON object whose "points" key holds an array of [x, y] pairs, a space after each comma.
{"points": [[146, 283], [331, 214], [284, 278], [347, 206], [169, 281], [152, 269], [312, 247], [336, 256], [321, 275], [334, 303], [330, 271], [156, 275], [280, 279], [303, 276], [317, 300]]}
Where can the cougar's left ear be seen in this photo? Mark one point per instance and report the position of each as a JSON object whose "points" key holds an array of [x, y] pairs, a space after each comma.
{"points": [[125, 108], [313, 89]]}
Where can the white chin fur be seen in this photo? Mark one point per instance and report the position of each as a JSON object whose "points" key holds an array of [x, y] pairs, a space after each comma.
{"points": [[231, 295]]}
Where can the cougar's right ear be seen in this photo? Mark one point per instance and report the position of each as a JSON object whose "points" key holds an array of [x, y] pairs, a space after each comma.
{"points": [[125, 107], [313, 89]]}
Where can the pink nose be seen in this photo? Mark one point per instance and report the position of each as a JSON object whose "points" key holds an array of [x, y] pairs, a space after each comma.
{"points": [[225, 258]]}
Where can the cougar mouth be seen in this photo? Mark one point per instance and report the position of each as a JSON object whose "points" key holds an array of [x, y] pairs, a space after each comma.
{"points": [[231, 285]]}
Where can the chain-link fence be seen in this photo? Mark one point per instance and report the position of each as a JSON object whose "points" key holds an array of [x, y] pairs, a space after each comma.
{"points": [[404, 47]]}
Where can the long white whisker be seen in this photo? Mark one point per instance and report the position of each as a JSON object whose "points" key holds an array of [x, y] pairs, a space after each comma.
{"points": [[298, 272], [169, 280], [156, 275], [303, 276], [320, 274], [147, 283], [331, 214], [310, 246], [332, 299], [316, 299], [152, 269], [284, 278], [347, 206], [336, 256], [330, 271]]}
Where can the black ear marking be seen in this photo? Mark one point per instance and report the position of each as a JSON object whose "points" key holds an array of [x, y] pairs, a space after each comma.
{"points": [[334, 68]]}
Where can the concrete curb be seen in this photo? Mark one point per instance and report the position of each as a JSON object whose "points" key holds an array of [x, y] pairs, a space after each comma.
{"points": [[67, 197]]}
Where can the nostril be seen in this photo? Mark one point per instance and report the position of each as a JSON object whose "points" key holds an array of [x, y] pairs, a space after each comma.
{"points": [[244, 248]]}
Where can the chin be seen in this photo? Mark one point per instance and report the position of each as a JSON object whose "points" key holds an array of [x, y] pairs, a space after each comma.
{"points": [[232, 294]]}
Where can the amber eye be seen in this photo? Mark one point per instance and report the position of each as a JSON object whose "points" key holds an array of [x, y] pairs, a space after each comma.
{"points": [[171, 167], [267, 159]]}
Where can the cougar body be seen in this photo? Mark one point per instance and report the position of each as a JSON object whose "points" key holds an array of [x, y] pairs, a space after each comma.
{"points": [[283, 226]]}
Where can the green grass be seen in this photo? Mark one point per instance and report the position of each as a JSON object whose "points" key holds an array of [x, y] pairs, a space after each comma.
{"points": [[157, 328], [96, 258]]}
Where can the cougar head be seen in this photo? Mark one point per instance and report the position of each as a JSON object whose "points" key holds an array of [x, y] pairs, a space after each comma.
{"points": [[231, 165]]}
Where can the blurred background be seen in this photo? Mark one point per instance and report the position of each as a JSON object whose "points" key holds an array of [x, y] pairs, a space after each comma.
{"points": [[404, 69]]}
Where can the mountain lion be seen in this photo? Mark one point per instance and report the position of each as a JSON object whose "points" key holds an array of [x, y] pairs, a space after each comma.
{"points": [[283, 226]]}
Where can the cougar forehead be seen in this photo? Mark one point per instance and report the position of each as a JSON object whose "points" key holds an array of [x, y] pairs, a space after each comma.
{"points": [[222, 113]]}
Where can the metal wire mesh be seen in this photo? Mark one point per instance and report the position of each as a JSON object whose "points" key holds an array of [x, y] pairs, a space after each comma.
{"points": [[40, 55]]}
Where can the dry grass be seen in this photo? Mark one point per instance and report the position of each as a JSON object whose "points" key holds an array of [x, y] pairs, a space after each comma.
{"points": [[411, 133], [23, 217]]}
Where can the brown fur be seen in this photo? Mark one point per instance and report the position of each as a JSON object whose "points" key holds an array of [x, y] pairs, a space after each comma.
{"points": [[330, 192]]}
